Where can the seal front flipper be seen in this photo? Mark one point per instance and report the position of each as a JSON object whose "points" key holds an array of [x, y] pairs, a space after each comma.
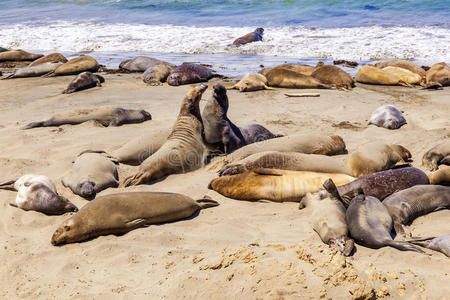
{"points": [[264, 171], [33, 125], [9, 185], [136, 223], [206, 202]]}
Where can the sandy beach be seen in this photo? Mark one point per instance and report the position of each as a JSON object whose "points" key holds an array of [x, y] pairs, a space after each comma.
{"points": [[238, 250]]}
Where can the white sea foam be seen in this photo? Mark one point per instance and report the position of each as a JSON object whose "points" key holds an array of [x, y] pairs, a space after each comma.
{"points": [[425, 44]]}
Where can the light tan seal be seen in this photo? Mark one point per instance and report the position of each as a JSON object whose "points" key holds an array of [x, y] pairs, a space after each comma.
{"points": [[83, 81], [76, 66], [184, 149], [404, 75], [49, 58], [289, 79], [441, 176], [273, 184], [373, 75], [401, 63], [18, 55], [252, 82], [334, 76], [298, 68], [158, 74], [122, 212], [438, 73], [438, 155]]}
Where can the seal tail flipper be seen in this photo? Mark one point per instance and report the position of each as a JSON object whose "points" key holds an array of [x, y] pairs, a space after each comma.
{"points": [[207, 202], [49, 74], [9, 185], [331, 188], [33, 125], [403, 246], [8, 77], [404, 83], [266, 87]]}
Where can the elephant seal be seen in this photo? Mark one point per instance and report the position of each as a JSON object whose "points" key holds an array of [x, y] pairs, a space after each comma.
{"points": [[156, 75], [334, 76], [406, 205], [252, 82], [255, 36], [273, 184], [49, 58], [189, 73], [183, 151], [122, 212], [142, 63], [441, 176], [370, 224], [387, 116], [298, 68], [138, 149], [440, 243], [289, 79], [380, 184], [82, 81], [438, 73], [92, 172], [287, 161], [3, 49], [438, 155], [400, 63], [327, 217], [373, 75], [375, 157], [404, 75], [34, 71], [107, 116], [76, 66], [18, 55], [38, 193]]}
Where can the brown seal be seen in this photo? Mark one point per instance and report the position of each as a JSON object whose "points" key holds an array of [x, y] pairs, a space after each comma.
{"points": [[251, 37], [83, 81], [76, 66], [142, 63], [401, 63], [107, 116], [441, 176], [18, 55], [49, 58], [298, 68], [373, 75], [289, 79], [334, 76], [252, 82], [189, 73], [158, 74], [404, 75], [438, 155], [122, 212], [183, 151], [438, 73]]}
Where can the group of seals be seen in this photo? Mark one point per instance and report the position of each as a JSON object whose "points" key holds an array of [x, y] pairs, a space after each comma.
{"points": [[254, 36], [387, 116], [84, 81]]}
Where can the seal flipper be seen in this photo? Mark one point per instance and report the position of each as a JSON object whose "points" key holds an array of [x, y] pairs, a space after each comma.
{"points": [[446, 160], [403, 246], [9, 185], [206, 202], [331, 188], [9, 77], [135, 223], [266, 171], [33, 125]]}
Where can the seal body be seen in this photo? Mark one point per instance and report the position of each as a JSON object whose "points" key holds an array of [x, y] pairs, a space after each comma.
{"points": [[142, 63], [387, 116], [441, 176], [273, 184], [404, 75], [158, 74], [406, 205], [298, 68], [251, 82], [370, 224], [184, 149], [107, 116], [251, 37], [38, 193], [123, 212], [49, 58], [92, 172], [439, 73], [189, 73], [373, 75], [289, 79], [438, 155], [401, 63], [76, 66], [18, 55], [334, 76], [440, 243], [82, 81], [37, 70]]}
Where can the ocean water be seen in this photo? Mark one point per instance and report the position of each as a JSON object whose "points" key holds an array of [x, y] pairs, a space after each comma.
{"points": [[202, 31]]}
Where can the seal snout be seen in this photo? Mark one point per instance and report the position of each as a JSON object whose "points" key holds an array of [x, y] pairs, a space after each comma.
{"points": [[203, 87], [87, 189]]}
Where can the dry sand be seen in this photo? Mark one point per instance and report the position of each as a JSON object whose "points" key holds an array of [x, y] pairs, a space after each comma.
{"points": [[239, 250]]}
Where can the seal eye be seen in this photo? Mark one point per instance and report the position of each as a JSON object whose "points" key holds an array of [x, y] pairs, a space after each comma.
{"points": [[66, 228]]}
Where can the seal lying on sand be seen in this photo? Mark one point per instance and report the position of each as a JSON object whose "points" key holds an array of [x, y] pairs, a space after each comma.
{"points": [[189, 73], [183, 151], [107, 116], [82, 81], [49, 58], [92, 172], [400, 63], [404, 75], [375, 157], [142, 63], [76, 66], [438, 73], [441, 176], [334, 76], [440, 243], [289, 79], [379, 185], [122, 212], [252, 82], [18, 55], [327, 217], [387, 116], [34, 71], [38, 193], [298, 68], [158, 74], [373, 75], [370, 224], [406, 205], [438, 155], [273, 184], [254, 36], [3, 49]]}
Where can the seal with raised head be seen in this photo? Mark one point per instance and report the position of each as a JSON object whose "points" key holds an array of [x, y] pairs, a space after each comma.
{"points": [[189, 73], [289, 79], [122, 212], [92, 172], [49, 58], [158, 74], [375, 157], [252, 82], [34, 71], [441, 176], [373, 75], [438, 73], [440, 243], [404, 75], [18, 55], [406, 205], [370, 224], [327, 216], [298, 68], [184, 149], [255, 36], [401, 63], [142, 63], [273, 184], [38, 193], [83, 81], [438, 155], [106, 116], [76, 66], [333, 75], [387, 116]]}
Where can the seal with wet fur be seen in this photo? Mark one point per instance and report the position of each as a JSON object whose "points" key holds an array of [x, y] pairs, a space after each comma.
{"points": [[440, 243], [38, 193], [122, 212], [83, 81], [18, 55], [76, 66], [333, 75], [49, 58], [289, 79], [255, 36], [158, 74], [252, 82], [438, 155], [189, 73], [387, 116], [34, 71]]}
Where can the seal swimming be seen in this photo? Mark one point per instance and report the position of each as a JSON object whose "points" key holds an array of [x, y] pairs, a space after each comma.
{"points": [[387, 116], [122, 212], [82, 81], [255, 36], [189, 73]]}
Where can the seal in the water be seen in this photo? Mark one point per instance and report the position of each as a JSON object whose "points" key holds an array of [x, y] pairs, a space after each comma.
{"points": [[370, 224], [400, 63], [438, 155], [441, 176], [76, 66], [404, 74], [107, 116], [254, 36], [34, 71], [184, 149], [298, 68], [438, 73], [406, 205], [189, 73], [387, 116], [440, 243], [38, 193], [373, 75], [379, 185], [289, 79], [334, 76], [273, 184], [122, 212], [158, 74], [82, 81], [252, 82], [327, 217], [142, 63], [92, 172], [49, 58], [18, 55], [375, 157]]}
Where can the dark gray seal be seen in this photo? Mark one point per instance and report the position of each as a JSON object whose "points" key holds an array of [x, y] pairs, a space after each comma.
{"points": [[83, 81], [141, 63], [189, 73], [3, 49], [387, 116], [440, 243], [254, 36]]}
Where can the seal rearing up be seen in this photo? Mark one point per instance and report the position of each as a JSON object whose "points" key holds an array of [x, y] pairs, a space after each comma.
{"points": [[184, 149]]}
